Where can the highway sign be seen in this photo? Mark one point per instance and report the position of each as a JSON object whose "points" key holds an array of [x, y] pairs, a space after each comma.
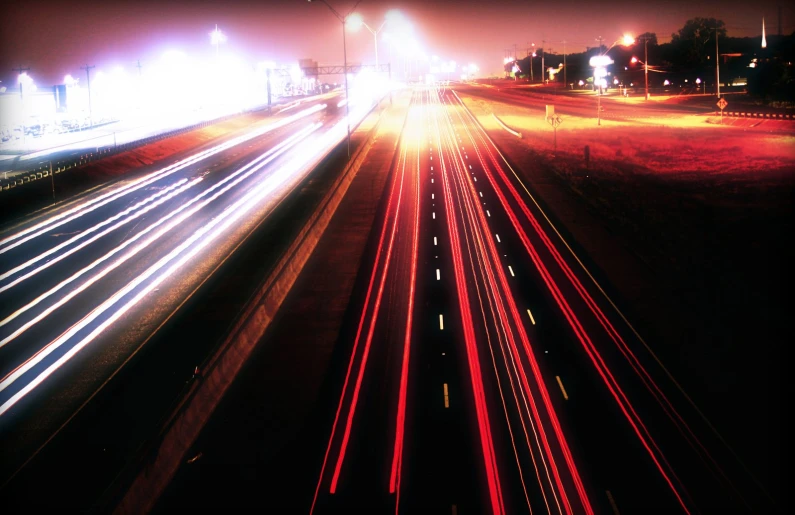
{"points": [[722, 104]]}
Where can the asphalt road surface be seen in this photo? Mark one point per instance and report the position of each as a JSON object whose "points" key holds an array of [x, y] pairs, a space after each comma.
{"points": [[85, 285], [489, 372]]}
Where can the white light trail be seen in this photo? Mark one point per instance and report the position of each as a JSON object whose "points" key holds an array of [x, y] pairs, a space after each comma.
{"points": [[77, 211], [222, 221], [232, 181]]}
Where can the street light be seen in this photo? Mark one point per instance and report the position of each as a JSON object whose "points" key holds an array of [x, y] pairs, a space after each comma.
{"points": [[600, 63], [355, 21], [342, 20]]}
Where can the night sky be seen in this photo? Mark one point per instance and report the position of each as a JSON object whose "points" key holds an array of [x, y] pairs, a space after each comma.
{"points": [[56, 38]]}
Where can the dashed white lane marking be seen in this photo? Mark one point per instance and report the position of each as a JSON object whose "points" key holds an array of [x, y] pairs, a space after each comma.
{"points": [[481, 193], [487, 212], [565, 395], [434, 215], [431, 181], [441, 322], [432, 196], [470, 167], [438, 275], [511, 270], [476, 179], [435, 242], [498, 237], [533, 320]]}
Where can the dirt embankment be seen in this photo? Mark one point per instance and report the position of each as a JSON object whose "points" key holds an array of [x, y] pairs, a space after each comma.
{"points": [[709, 212]]}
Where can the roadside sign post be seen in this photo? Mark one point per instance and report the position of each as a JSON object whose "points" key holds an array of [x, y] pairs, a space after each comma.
{"points": [[554, 121], [722, 105]]}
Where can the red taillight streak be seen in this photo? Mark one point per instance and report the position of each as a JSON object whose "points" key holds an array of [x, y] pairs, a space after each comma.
{"points": [[397, 457], [487, 444], [480, 258], [358, 335], [541, 385], [604, 321], [596, 358], [539, 380], [368, 342], [493, 296]]}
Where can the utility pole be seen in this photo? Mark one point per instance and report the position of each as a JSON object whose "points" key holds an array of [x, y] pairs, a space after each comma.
{"points": [[543, 70], [717, 62], [88, 68], [646, 62], [20, 70], [565, 82]]}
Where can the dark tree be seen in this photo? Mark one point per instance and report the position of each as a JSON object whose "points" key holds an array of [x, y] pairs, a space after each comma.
{"points": [[696, 40]]}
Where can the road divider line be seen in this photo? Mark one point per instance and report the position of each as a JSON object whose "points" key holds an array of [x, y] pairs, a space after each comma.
{"points": [[498, 238], [511, 270], [560, 383], [489, 214], [438, 275], [441, 322], [435, 241], [533, 320], [612, 503]]}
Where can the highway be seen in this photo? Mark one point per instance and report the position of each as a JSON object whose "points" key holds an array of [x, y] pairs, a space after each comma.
{"points": [[488, 371], [86, 284]]}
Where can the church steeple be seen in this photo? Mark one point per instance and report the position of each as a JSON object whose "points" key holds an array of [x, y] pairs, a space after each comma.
{"points": [[764, 41]]}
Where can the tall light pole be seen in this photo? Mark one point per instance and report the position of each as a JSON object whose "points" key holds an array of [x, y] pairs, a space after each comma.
{"points": [[717, 63], [355, 20], [600, 62], [88, 68], [342, 20], [646, 62]]}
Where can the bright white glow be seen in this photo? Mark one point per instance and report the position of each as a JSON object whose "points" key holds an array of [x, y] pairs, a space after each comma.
{"points": [[698, 81], [354, 21], [600, 61], [628, 40], [217, 37], [666, 82]]}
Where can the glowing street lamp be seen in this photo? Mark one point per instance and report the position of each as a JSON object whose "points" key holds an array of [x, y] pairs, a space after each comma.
{"points": [[600, 63], [355, 22]]}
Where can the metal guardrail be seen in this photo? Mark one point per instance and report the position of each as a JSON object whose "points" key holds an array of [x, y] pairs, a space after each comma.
{"points": [[766, 116], [101, 152]]}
